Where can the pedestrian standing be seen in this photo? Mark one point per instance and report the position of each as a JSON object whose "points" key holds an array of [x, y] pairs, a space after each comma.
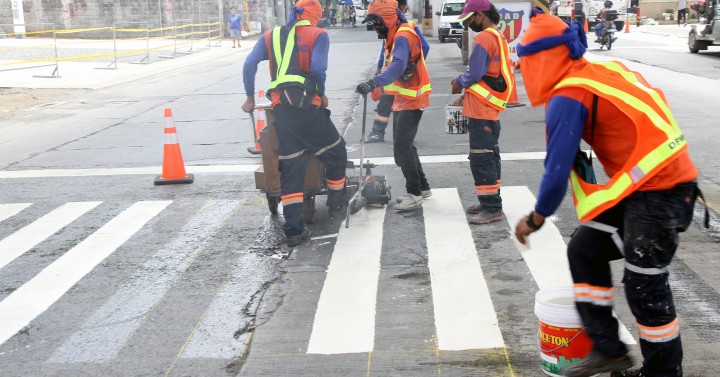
{"points": [[682, 12], [234, 22], [407, 79], [488, 83], [353, 20], [299, 106], [385, 102], [636, 215]]}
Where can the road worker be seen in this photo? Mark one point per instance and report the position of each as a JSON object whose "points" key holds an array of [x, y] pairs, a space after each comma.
{"points": [[407, 79], [636, 215], [385, 101], [488, 83], [298, 55]]}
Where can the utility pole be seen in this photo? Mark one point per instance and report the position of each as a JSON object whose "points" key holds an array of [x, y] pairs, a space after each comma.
{"points": [[18, 18]]}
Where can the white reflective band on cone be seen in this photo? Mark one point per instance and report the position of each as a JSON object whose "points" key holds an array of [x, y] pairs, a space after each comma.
{"points": [[171, 138]]}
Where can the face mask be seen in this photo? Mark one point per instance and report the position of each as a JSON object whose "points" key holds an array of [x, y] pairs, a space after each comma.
{"points": [[381, 30], [475, 27]]}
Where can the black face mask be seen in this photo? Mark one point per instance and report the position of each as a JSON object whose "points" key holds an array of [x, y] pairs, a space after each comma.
{"points": [[381, 30], [475, 27]]}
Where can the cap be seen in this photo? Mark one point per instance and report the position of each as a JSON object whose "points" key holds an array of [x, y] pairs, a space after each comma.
{"points": [[472, 6]]}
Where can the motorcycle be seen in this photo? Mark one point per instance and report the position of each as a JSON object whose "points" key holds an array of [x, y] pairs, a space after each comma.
{"points": [[608, 35]]}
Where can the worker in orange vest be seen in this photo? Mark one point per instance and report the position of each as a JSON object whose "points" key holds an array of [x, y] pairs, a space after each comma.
{"points": [[299, 104], [488, 82], [636, 215], [407, 79]]}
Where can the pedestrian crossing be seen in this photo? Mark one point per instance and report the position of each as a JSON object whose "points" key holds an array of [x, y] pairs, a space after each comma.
{"points": [[344, 319]]}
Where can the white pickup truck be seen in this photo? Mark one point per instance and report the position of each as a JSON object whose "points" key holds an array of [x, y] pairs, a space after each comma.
{"points": [[705, 34]]}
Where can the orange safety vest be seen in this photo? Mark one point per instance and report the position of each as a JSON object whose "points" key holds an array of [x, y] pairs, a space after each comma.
{"points": [[659, 140], [496, 100], [419, 84]]}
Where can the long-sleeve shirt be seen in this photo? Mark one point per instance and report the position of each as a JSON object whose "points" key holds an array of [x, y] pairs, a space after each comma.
{"points": [[423, 43], [318, 63], [484, 60]]}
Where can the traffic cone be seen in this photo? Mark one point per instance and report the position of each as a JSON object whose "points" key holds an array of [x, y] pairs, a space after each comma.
{"points": [[587, 29], [173, 170], [514, 101], [259, 125], [627, 24]]}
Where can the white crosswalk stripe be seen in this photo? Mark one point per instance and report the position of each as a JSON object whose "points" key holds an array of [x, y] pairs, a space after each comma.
{"points": [[9, 210]]}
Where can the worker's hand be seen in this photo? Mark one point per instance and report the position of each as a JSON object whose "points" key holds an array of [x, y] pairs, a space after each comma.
{"points": [[528, 225], [249, 104], [366, 87], [324, 101], [458, 102], [456, 89]]}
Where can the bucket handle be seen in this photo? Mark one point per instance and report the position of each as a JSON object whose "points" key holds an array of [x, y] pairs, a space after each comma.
{"points": [[557, 348]]}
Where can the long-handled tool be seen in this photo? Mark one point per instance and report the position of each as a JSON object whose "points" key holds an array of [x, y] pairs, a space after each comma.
{"points": [[371, 190]]}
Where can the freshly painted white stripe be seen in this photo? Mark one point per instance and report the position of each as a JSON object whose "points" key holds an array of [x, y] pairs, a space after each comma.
{"points": [[148, 170], [324, 237], [26, 238], [464, 314], [199, 169], [11, 209], [35, 296], [545, 252], [345, 317], [107, 331]]}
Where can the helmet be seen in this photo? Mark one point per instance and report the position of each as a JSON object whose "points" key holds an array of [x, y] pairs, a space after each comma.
{"points": [[608, 4]]}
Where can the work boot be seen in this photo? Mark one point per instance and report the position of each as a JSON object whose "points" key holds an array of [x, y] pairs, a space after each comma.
{"points": [[293, 241], [474, 209], [375, 137], [487, 217], [409, 202], [627, 373], [424, 193], [597, 362]]}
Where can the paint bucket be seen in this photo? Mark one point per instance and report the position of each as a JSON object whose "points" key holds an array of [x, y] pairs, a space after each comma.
{"points": [[561, 338]]}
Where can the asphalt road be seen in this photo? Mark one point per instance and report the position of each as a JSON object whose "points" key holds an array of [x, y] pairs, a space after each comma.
{"points": [[102, 273]]}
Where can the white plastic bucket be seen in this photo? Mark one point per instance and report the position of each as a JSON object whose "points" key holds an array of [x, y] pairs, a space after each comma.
{"points": [[561, 338]]}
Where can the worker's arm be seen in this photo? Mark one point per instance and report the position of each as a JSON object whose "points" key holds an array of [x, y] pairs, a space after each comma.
{"points": [[319, 61], [423, 42], [258, 54], [400, 58], [564, 121], [476, 69]]}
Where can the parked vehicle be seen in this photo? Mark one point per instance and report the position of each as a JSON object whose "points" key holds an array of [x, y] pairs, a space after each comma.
{"points": [[448, 27], [360, 11], [705, 34]]}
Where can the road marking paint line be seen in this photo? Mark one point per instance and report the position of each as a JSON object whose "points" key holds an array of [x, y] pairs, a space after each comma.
{"points": [[34, 297], [456, 158], [9, 210], [107, 331], [26, 238], [345, 316], [546, 253], [148, 170], [464, 314]]}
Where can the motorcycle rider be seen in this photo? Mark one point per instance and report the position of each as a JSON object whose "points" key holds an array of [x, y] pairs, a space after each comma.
{"points": [[600, 21]]}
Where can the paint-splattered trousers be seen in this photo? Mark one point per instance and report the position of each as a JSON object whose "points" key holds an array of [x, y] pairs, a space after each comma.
{"points": [[301, 132], [485, 161], [643, 229]]}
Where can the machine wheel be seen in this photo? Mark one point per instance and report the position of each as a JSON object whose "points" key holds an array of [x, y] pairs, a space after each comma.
{"points": [[309, 209], [273, 204], [693, 43]]}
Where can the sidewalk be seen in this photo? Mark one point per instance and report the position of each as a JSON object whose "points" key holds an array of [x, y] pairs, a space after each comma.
{"points": [[668, 30]]}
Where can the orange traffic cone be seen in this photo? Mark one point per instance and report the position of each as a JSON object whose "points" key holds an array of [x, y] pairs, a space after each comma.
{"points": [[587, 29], [627, 24], [258, 126], [173, 170], [514, 100]]}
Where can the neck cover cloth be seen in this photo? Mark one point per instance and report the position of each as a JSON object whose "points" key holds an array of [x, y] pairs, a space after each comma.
{"points": [[310, 10], [550, 49], [387, 11]]}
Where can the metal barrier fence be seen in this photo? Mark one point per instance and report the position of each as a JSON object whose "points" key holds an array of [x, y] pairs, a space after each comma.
{"points": [[47, 47]]}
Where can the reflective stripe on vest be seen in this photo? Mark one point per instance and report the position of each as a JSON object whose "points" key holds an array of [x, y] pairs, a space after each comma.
{"points": [[282, 59], [395, 89], [480, 88], [592, 199]]}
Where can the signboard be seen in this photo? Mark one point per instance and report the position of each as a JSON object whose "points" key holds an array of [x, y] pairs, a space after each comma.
{"points": [[514, 20]]}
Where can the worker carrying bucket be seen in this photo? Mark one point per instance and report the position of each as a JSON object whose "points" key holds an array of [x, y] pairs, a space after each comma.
{"points": [[299, 107]]}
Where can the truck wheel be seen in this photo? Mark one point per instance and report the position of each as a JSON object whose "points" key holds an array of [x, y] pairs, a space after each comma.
{"points": [[442, 37], [693, 44], [273, 204]]}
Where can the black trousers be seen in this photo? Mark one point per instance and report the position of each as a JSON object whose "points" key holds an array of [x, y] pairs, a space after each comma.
{"points": [[382, 114], [301, 132], [643, 229], [485, 161], [405, 127]]}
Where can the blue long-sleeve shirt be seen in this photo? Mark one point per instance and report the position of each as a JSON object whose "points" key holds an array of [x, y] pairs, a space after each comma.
{"points": [[318, 63], [423, 43], [565, 122], [400, 58], [477, 67]]}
